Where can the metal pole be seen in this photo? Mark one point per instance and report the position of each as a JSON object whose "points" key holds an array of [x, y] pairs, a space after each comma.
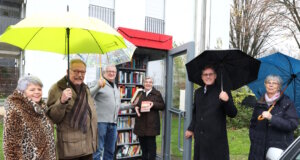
{"points": [[203, 25], [68, 53]]}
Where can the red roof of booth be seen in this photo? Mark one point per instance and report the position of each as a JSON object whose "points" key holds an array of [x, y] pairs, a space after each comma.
{"points": [[147, 39]]}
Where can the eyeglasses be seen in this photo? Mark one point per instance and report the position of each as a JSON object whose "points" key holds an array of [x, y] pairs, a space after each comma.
{"points": [[271, 83], [111, 71], [208, 74], [78, 71]]}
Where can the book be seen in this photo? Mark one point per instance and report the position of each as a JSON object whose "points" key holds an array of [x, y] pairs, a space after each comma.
{"points": [[145, 106], [135, 98]]}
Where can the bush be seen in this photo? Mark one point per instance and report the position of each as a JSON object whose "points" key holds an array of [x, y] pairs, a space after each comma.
{"points": [[242, 120]]}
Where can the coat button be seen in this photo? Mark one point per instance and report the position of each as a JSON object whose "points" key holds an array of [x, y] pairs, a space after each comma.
{"points": [[201, 118], [201, 132]]}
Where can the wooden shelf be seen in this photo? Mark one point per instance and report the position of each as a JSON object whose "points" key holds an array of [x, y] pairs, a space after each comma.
{"points": [[132, 69]]}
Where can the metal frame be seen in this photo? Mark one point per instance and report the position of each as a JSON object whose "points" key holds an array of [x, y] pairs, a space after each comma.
{"points": [[189, 49]]}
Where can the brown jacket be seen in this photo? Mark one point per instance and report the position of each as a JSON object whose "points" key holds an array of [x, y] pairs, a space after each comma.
{"points": [[148, 124], [71, 143]]}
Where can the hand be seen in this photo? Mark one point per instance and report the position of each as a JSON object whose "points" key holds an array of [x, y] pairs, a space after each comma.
{"points": [[151, 104], [223, 96], [137, 111], [101, 82], [188, 134], [267, 115], [66, 95]]}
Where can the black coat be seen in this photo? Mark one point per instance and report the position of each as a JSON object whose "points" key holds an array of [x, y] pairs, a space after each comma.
{"points": [[209, 124], [148, 124], [275, 133]]}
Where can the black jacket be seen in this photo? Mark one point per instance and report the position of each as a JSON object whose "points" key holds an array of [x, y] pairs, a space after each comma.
{"points": [[209, 124], [148, 124], [278, 132]]}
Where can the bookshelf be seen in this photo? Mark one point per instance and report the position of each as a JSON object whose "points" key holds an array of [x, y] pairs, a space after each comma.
{"points": [[129, 79]]}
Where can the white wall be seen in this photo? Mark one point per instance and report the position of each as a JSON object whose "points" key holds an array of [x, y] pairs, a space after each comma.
{"points": [[155, 8], [130, 14], [104, 3], [179, 20]]}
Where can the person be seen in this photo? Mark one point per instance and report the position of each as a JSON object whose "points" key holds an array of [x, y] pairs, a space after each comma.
{"points": [[28, 132], [208, 125], [276, 130], [71, 108], [108, 103], [147, 124]]}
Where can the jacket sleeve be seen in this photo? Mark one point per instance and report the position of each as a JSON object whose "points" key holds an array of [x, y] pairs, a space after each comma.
{"points": [[94, 89], [12, 136], [56, 110], [229, 107], [159, 103], [287, 122]]}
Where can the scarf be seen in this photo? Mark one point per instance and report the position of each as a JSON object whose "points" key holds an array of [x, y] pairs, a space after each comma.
{"points": [[80, 109], [271, 100]]}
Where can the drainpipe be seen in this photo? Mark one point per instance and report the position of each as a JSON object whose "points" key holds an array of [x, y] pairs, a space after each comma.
{"points": [[22, 53], [203, 26]]}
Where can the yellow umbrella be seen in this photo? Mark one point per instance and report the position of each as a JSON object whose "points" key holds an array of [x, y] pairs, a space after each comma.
{"points": [[64, 34]]}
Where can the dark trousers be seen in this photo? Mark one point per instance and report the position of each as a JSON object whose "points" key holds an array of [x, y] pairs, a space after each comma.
{"points": [[148, 145], [87, 157]]}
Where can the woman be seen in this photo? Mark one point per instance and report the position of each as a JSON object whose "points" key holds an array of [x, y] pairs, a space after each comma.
{"points": [[147, 123], [276, 130], [28, 133]]}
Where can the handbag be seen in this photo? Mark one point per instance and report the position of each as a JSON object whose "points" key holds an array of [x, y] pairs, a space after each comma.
{"points": [[273, 153]]}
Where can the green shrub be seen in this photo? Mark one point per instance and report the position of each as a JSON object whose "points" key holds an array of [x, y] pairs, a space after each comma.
{"points": [[242, 120]]}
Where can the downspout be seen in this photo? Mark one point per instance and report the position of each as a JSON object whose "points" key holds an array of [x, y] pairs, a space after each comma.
{"points": [[203, 26], [22, 53]]}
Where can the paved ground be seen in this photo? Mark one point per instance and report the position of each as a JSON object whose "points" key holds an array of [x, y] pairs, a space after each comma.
{"points": [[2, 111]]}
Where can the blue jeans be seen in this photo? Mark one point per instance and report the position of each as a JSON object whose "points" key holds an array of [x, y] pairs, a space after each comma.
{"points": [[107, 137]]}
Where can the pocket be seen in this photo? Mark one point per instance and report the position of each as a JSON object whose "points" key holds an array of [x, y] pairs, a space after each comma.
{"points": [[72, 135]]}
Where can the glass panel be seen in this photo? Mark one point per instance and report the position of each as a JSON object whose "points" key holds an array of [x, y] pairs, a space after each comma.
{"points": [[179, 75], [178, 96], [157, 71]]}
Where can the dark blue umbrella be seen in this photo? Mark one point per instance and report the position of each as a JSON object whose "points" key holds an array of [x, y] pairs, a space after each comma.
{"points": [[287, 68]]}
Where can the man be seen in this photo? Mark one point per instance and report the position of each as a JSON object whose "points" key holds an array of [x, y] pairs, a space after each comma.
{"points": [[72, 108], [208, 125], [108, 103]]}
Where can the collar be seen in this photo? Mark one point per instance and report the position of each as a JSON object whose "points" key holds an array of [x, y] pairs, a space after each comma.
{"points": [[147, 92]]}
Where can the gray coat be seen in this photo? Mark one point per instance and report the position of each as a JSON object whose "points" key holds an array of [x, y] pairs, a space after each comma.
{"points": [[108, 102]]}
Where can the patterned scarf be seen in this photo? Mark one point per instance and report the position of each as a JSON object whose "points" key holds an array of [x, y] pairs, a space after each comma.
{"points": [[271, 100], [80, 109]]}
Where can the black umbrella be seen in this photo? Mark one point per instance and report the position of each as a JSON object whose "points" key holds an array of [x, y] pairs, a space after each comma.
{"points": [[234, 68]]}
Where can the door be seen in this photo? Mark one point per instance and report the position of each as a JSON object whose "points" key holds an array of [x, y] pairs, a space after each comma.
{"points": [[179, 100]]}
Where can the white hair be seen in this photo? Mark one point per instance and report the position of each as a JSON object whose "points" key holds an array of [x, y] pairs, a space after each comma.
{"points": [[27, 80], [276, 78]]}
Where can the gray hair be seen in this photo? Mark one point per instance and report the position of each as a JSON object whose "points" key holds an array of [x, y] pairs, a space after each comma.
{"points": [[104, 68], [148, 77], [27, 80], [77, 61], [276, 78]]}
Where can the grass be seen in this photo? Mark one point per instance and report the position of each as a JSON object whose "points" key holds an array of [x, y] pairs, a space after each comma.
{"points": [[1, 139], [237, 138]]}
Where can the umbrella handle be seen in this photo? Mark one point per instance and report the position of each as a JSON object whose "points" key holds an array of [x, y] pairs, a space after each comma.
{"points": [[260, 117], [100, 65]]}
